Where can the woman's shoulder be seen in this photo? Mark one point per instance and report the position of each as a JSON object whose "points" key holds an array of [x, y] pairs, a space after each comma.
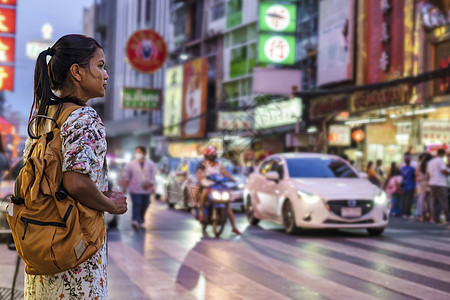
{"points": [[84, 115]]}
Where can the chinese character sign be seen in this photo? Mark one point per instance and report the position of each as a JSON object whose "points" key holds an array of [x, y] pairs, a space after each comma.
{"points": [[8, 2], [277, 17], [7, 20], [6, 78], [7, 49], [276, 49]]}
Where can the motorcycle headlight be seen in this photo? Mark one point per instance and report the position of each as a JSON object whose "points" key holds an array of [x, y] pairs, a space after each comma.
{"points": [[381, 198], [216, 195], [308, 198], [225, 196]]}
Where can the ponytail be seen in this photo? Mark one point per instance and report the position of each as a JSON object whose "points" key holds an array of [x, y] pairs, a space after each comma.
{"points": [[43, 94]]}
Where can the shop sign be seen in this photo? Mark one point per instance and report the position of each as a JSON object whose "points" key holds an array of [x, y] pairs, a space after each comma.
{"points": [[194, 100], [340, 135], [7, 49], [378, 99], [173, 100], [277, 17], [6, 78], [192, 149], [276, 49], [278, 113], [442, 61], [146, 51], [234, 120], [381, 134], [326, 106], [336, 40], [140, 98], [9, 2], [7, 20], [434, 132]]}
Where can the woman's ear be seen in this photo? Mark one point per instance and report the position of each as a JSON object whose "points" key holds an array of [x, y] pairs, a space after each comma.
{"points": [[76, 72]]}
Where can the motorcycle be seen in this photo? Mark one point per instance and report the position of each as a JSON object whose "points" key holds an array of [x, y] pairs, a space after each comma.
{"points": [[215, 208]]}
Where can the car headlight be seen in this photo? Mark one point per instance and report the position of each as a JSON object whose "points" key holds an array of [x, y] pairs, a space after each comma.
{"points": [[308, 198], [216, 195], [241, 186], [225, 196], [381, 198]]}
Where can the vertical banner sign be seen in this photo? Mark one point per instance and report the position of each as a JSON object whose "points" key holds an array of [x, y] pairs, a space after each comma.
{"points": [[173, 100], [194, 102], [7, 44], [336, 36]]}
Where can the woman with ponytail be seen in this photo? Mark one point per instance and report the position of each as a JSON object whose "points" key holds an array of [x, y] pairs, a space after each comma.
{"points": [[74, 74]]}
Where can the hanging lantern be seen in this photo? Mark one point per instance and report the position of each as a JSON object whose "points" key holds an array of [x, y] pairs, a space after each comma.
{"points": [[358, 135], [333, 137]]}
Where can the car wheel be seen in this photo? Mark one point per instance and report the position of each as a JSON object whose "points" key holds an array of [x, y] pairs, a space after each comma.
{"points": [[375, 231], [289, 218], [218, 220], [249, 212]]}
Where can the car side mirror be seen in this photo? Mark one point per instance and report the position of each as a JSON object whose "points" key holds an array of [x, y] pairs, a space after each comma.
{"points": [[363, 175], [271, 175]]}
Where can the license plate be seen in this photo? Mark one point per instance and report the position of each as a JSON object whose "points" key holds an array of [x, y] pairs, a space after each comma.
{"points": [[351, 212]]}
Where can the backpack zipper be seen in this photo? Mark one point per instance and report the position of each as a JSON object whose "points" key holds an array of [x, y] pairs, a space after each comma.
{"points": [[27, 221]]}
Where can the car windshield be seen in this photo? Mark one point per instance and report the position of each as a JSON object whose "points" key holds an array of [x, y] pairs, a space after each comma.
{"points": [[320, 167]]}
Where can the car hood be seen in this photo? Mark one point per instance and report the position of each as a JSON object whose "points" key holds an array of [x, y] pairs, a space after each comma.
{"points": [[337, 188]]}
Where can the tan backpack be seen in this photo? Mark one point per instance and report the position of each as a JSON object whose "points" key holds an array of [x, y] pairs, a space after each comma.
{"points": [[52, 231]]}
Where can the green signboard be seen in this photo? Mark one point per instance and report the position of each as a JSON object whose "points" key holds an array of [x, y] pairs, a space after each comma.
{"points": [[276, 49], [275, 17], [140, 98]]}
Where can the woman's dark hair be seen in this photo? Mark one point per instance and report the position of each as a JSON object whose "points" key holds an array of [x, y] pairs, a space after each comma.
{"points": [[394, 171], [423, 164], [142, 148], [369, 165], [68, 50]]}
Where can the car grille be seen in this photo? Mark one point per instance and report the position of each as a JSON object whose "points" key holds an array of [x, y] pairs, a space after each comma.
{"points": [[328, 221], [335, 206]]}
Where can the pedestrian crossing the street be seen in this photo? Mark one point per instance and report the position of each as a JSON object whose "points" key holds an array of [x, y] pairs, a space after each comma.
{"points": [[286, 267]]}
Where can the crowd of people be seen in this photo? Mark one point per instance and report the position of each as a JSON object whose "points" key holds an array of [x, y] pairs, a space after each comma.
{"points": [[424, 182]]}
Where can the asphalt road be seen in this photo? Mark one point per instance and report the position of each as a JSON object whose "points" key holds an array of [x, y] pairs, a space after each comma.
{"points": [[173, 259]]}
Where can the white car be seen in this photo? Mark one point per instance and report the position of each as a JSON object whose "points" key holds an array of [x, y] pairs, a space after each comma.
{"points": [[310, 190]]}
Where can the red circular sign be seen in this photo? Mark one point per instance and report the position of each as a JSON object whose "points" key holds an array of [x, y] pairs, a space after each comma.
{"points": [[146, 51]]}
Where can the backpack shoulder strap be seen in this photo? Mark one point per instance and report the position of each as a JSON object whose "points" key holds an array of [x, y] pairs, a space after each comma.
{"points": [[65, 113]]}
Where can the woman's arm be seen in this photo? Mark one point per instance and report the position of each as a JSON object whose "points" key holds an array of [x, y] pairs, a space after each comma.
{"points": [[84, 190], [226, 174]]}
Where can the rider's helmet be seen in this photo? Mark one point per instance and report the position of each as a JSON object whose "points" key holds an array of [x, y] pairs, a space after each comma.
{"points": [[210, 153]]}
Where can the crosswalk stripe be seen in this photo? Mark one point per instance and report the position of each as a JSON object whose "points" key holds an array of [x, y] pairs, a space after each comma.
{"points": [[428, 243], [397, 263], [231, 281], [428, 255], [161, 287], [321, 285], [409, 288]]}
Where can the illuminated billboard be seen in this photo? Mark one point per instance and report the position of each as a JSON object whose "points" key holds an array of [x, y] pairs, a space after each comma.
{"points": [[173, 100], [7, 49], [6, 78], [7, 20], [278, 113], [277, 17], [276, 49]]}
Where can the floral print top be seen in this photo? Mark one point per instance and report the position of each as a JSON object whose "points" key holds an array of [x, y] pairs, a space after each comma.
{"points": [[83, 137], [84, 145]]}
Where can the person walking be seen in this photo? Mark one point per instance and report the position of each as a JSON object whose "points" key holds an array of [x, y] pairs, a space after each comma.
{"points": [[437, 173], [380, 171], [423, 189], [408, 173], [139, 178], [393, 189], [76, 71]]}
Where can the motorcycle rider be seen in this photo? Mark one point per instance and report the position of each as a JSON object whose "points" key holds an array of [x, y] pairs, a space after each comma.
{"points": [[210, 166]]}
